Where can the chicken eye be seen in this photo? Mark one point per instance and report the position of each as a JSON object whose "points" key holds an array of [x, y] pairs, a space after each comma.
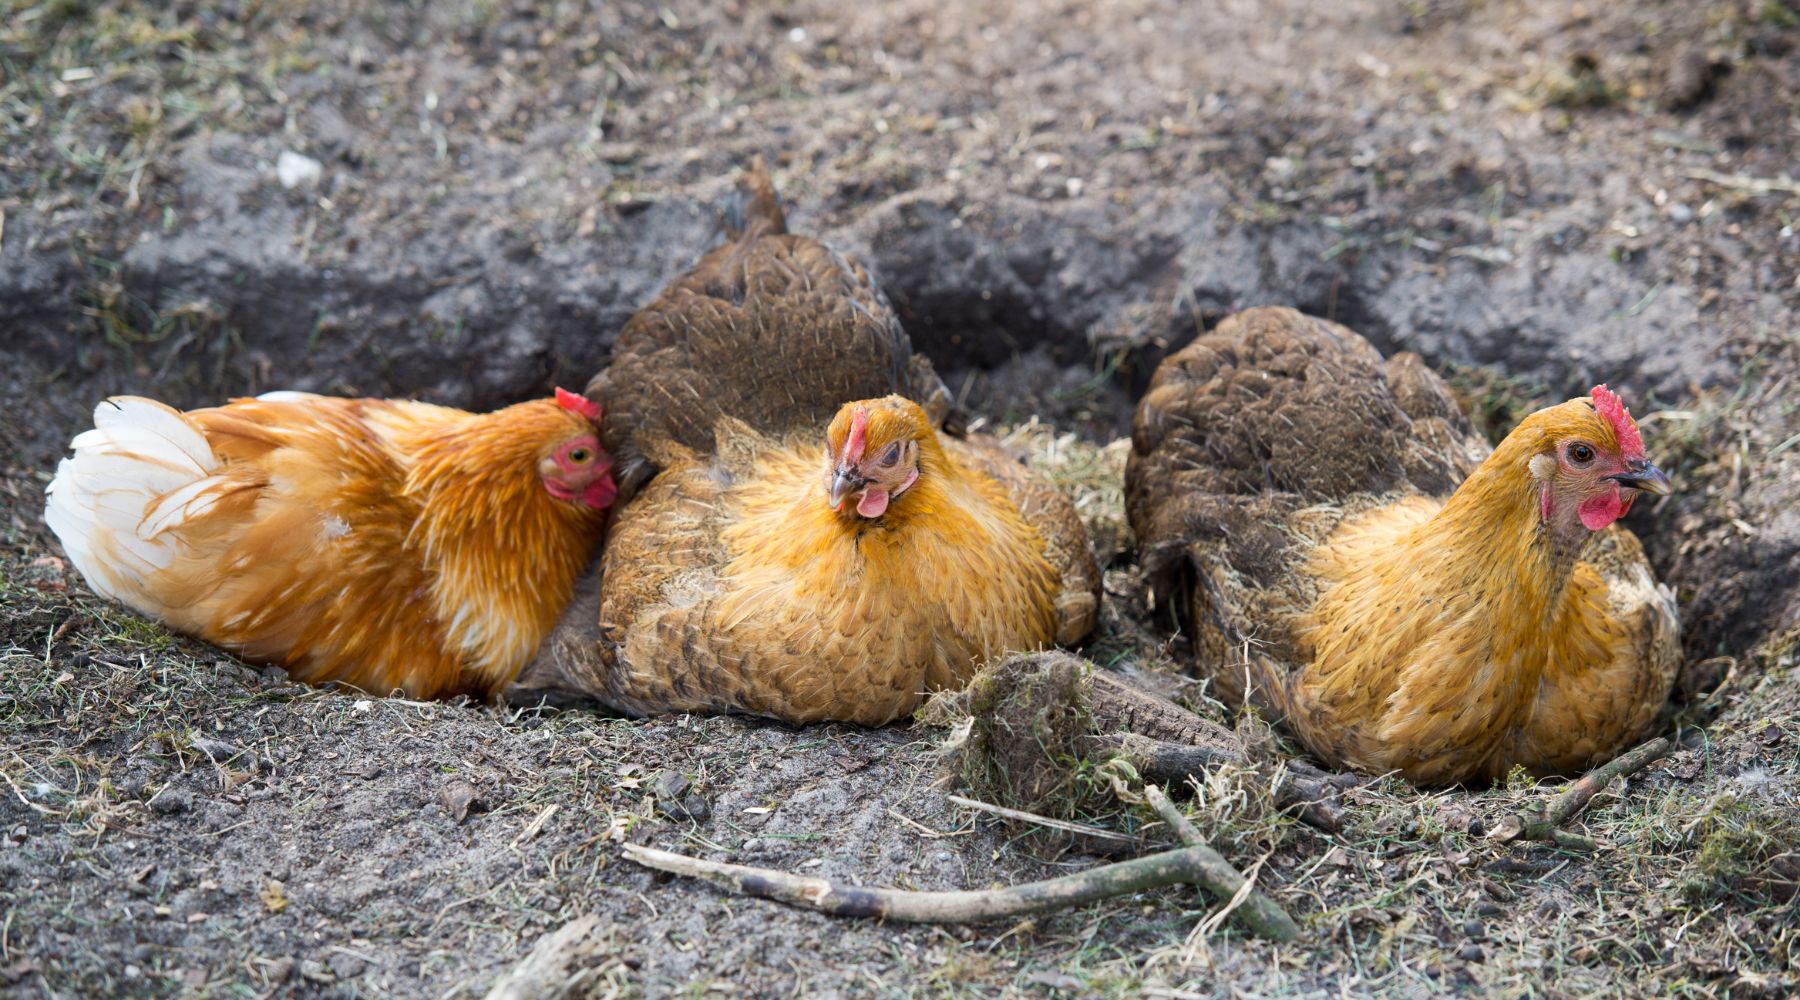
{"points": [[579, 455], [1580, 454], [892, 455]]}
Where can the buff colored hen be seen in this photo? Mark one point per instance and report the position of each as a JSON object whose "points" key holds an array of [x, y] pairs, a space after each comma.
{"points": [[1350, 557], [812, 546]]}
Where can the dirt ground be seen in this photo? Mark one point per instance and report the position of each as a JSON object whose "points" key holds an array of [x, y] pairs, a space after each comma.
{"points": [[1535, 195]]}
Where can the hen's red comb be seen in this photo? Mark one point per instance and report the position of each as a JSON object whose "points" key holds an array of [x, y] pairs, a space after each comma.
{"points": [[1610, 406], [576, 403], [859, 435]]}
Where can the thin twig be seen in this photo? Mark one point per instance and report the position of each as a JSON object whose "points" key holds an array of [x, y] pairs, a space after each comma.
{"points": [[925, 831], [45, 810], [1544, 822], [1054, 824], [1751, 185], [1121, 878], [1262, 915], [536, 825]]}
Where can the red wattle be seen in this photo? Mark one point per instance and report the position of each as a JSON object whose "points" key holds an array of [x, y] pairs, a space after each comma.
{"points": [[1600, 511]]}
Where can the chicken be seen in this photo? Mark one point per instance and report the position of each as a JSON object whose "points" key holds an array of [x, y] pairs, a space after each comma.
{"points": [[814, 547], [1351, 558], [773, 329], [388, 545]]}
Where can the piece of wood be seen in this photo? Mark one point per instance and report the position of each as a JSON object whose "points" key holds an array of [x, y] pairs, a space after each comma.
{"points": [[1314, 800], [551, 970], [1182, 865], [1259, 914], [1119, 707], [1544, 822]]}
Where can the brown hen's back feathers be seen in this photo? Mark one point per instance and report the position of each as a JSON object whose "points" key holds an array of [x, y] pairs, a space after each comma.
{"points": [[772, 329], [1287, 487], [730, 584]]}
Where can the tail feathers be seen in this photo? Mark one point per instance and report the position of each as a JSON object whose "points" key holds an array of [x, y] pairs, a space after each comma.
{"points": [[142, 470], [755, 210]]}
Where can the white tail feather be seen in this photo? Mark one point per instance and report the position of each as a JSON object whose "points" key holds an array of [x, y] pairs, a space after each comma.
{"points": [[141, 471]]}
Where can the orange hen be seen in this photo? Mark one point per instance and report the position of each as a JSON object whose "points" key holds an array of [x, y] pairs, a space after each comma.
{"points": [[1299, 498], [389, 545]]}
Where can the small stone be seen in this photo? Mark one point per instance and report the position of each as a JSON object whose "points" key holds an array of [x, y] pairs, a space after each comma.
{"points": [[295, 169], [458, 797], [346, 965], [281, 970], [172, 802], [670, 785]]}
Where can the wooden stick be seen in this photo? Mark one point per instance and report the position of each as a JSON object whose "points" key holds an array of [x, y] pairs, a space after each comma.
{"points": [[550, 970], [1183, 865], [1029, 817], [1261, 915], [1543, 822]]}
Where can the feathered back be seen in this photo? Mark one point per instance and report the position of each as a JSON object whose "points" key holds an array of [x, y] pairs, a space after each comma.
{"points": [[1272, 411], [773, 329]]}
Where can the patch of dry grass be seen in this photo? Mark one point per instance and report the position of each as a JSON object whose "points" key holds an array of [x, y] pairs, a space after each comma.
{"points": [[1092, 475]]}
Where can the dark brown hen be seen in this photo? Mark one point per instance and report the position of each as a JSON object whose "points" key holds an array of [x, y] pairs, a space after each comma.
{"points": [[772, 329]]}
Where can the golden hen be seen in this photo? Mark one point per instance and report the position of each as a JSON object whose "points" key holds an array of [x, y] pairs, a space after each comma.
{"points": [[389, 545], [813, 547], [1349, 556]]}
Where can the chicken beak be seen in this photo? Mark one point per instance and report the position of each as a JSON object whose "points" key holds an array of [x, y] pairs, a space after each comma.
{"points": [[1646, 477], [843, 483]]}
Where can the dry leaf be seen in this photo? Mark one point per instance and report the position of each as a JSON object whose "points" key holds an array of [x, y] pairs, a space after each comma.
{"points": [[274, 896]]}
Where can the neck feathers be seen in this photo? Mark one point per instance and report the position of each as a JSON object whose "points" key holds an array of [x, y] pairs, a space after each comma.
{"points": [[1493, 529]]}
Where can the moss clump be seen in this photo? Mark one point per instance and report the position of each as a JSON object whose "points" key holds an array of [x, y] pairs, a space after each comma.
{"points": [[1027, 715], [1747, 847]]}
